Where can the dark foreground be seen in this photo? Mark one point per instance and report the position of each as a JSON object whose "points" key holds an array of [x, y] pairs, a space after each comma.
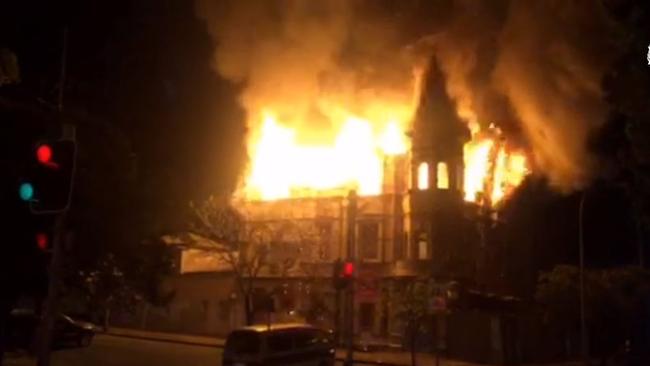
{"points": [[111, 350], [117, 351]]}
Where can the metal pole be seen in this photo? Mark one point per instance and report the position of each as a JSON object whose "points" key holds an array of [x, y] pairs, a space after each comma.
{"points": [[581, 244], [640, 244], [352, 218], [337, 318], [64, 52], [49, 314]]}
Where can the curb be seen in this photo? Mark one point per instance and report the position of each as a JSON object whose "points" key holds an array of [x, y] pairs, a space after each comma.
{"points": [[162, 339]]}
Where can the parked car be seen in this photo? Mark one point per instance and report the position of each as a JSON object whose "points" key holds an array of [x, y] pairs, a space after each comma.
{"points": [[279, 344], [23, 324]]}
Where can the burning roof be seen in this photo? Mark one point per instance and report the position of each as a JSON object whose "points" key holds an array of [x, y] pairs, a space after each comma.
{"points": [[331, 87]]}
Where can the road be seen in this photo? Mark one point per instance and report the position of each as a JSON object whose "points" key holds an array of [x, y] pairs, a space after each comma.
{"points": [[110, 350], [119, 351]]}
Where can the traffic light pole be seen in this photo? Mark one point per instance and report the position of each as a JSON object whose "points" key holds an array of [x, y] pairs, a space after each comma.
{"points": [[49, 313], [351, 239], [48, 316]]}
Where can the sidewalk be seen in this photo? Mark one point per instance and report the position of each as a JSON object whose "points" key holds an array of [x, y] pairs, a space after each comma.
{"points": [[167, 337], [362, 358], [385, 358]]}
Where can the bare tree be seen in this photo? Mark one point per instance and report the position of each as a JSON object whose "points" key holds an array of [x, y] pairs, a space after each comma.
{"points": [[219, 228], [411, 300], [282, 248]]}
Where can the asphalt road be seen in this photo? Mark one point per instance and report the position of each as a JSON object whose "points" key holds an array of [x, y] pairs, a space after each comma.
{"points": [[117, 351]]}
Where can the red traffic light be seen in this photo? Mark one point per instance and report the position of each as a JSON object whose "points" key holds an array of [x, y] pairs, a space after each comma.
{"points": [[42, 241], [348, 269], [51, 176], [44, 154]]}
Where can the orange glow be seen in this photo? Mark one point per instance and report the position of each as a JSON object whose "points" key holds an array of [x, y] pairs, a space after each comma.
{"points": [[392, 141], [476, 157], [442, 176], [492, 171], [306, 145], [423, 176], [498, 187], [283, 167]]}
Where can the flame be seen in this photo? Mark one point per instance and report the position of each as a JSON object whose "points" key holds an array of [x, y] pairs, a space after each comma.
{"points": [[292, 155], [492, 171], [283, 167], [477, 162], [392, 141]]}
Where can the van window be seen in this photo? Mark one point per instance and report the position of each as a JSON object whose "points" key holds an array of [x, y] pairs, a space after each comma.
{"points": [[243, 343], [280, 342]]}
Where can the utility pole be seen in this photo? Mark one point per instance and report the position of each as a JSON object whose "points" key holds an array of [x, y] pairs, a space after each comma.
{"points": [[49, 313], [351, 254], [48, 318], [583, 323]]}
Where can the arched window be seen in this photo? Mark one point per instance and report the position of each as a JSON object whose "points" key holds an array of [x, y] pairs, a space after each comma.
{"points": [[442, 174], [423, 176]]}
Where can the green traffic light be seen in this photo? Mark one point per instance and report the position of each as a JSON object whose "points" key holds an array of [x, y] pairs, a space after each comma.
{"points": [[26, 191]]}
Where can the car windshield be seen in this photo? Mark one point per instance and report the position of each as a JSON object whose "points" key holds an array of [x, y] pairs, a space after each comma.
{"points": [[243, 343]]}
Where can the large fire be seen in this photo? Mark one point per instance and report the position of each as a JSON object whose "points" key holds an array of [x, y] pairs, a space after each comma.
{"points": [[282, 167]]}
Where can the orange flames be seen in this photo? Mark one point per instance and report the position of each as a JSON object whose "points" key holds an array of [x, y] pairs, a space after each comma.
{"points": [[492, 171], [283, 164], [282, 167]]}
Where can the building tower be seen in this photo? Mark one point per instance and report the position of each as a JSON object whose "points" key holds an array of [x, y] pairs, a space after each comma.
{"points": [[435, 204]]}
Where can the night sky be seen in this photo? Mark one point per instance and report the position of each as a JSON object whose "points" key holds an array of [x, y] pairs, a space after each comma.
{"points": [[143, 68]]}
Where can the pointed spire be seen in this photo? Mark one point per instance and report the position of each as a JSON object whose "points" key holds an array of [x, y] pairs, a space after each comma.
{"points": [[437, 126]]}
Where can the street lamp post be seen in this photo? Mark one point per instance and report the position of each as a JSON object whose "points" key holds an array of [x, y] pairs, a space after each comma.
{"points": [[581, 244]]}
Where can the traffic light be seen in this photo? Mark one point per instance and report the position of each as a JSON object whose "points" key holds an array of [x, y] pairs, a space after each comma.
{"points": [[42, 241], [49, 182], [343, 274], [348, 269]]}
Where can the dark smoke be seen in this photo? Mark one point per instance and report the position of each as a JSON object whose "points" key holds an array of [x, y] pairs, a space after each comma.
{"points": [[531, 67]]}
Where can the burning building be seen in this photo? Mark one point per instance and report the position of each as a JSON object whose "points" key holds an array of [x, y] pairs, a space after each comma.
{"points": [[400, 196], [400, 188]]}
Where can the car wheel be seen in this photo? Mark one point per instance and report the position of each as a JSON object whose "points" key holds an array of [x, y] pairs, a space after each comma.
{"points": [[85, 340]]}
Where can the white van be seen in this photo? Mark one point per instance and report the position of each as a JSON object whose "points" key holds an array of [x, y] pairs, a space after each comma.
{"points": [[279, 345]]}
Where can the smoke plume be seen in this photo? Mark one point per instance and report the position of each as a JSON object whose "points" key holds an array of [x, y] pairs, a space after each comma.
{"points": [[533, 68]]}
